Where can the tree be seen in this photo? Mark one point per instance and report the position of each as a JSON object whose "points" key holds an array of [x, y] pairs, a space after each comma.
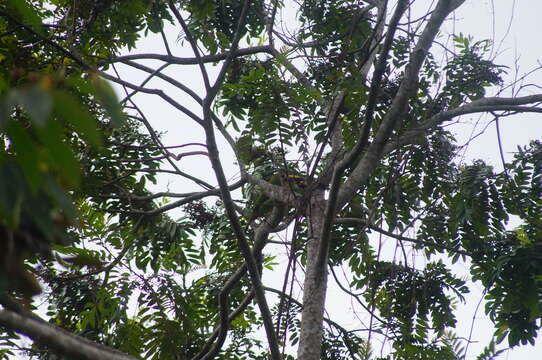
{"points": [[338, 132]]}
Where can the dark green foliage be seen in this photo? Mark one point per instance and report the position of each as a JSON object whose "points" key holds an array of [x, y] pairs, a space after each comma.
{"points": [[214, 22], [76, 172], [255, 90], [468, 74], [42, 109], [490, 352], [514, 296], [412, 301], [341, 44]]}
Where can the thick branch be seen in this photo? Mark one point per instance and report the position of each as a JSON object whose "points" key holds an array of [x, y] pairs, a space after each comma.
{"points": [[477, 106], [486, 105], [228, 201], [337, 151], [332, 203], [407, 88], [58, 339], [275, 192], [210, 350]]}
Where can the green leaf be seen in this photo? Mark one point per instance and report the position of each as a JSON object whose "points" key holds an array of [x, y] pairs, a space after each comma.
{"points": [[36, 101], [11, 195], [62, 156], [26, 153], [72, 111], [29, 15], [61, 197], [107, 97]]}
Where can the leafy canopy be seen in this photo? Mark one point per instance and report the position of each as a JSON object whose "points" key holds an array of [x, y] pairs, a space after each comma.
{"points": [[83, 225]]}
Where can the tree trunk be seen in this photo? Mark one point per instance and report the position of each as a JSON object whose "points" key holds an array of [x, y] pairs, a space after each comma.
{"points": [[314, 294]]}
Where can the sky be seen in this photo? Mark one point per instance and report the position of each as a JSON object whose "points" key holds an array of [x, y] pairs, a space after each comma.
{"points": [[514, 27]]}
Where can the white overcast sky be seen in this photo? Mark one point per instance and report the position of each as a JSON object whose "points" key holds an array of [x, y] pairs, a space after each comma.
{"points": [[515, 27]]}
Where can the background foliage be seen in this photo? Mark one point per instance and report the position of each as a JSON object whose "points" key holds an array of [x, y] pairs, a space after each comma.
{"points": [[82, 227]]}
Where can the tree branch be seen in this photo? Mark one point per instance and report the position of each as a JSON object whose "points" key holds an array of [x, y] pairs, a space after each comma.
{"points": [[192, 43], [160, 93], [490, 104], [158, 142], [59, 339], [209, 351], [332, 203], [228, 201], [275, 192], [408, 86], [187, 199], [192, 94], [327, 320], [192, 61]]}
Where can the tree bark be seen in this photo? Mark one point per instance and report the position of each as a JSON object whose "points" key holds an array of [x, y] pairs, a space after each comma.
{"points": [[314, 293], [310, 342], [58, 339]]}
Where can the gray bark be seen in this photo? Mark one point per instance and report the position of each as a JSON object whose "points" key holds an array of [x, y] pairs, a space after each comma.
{"points": [[315, 287], [58, 339], [314, 292]]}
